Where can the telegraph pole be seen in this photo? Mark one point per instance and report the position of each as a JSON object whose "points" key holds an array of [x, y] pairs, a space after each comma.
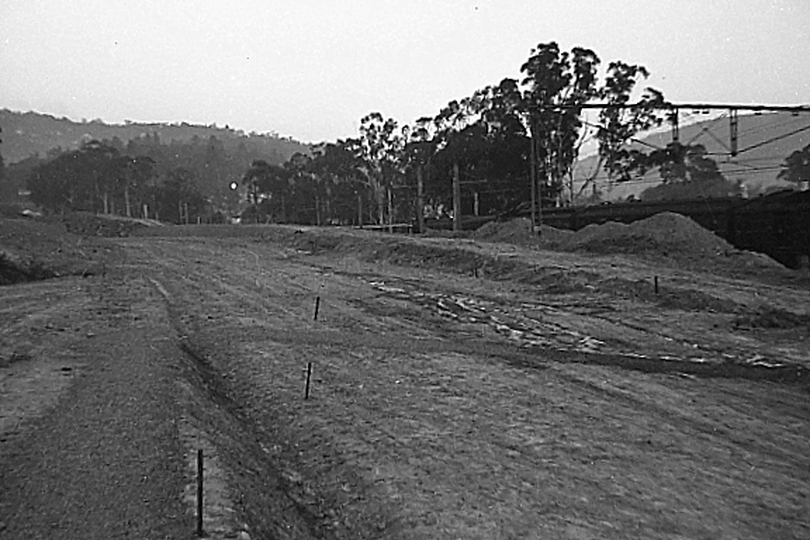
{"points": [[420, 199], [456, 199], [533, 174], [732, 130]]}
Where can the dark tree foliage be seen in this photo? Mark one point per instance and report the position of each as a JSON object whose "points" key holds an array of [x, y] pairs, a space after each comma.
{"points": [[557, 84], [797, 166], [486, 137], [687, 172], [270, 192], [618, 124], [98, 178]]}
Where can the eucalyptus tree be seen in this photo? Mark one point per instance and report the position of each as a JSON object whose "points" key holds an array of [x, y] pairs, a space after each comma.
{"points": [[619, 123], [82, 179], [796, 167], [268, 189], [342, 179], [556, 86], [483, 140], [381, 142]]}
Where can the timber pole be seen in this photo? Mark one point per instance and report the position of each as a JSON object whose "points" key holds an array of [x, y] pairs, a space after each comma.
{"points": [[456, 199], [533, 176], [420, 200]]}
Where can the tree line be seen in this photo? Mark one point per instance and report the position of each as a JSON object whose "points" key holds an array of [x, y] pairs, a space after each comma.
{"points": [[507, 146], [178, 181]]}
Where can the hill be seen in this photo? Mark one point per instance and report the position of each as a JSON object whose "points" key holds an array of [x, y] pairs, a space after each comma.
{"points": [[25, 134], [764, 141]]}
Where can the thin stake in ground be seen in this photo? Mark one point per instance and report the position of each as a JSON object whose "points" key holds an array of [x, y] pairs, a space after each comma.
{"points": [[200, 531], [309, 377]]}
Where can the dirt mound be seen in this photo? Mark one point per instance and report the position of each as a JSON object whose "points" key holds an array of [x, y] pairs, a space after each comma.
{"points": [[34, 249], [513, 231], [88, 224], [519, 231], [666, 234]]}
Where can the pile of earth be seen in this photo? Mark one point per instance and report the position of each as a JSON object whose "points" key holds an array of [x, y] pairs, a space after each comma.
{"points": [[663, 234], [87, 224], [666, 235], [34, 249], [519, 231]]}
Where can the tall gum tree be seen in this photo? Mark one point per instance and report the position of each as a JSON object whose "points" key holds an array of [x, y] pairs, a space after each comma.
{"points": [[556, 86], [618, 124], [381, 142]]}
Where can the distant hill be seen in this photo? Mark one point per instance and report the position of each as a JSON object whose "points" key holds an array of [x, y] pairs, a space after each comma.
{"points": [[764, 141], [30, 133]]}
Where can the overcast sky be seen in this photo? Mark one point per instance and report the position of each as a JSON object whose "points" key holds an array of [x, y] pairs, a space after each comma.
{"points": [[310, 69]]}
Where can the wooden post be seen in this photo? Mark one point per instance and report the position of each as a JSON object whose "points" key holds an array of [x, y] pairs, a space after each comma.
{"points": [[309, 377], [655, 281], [420, 200], [533, 174], [456, 199], [200, 531], [390, 210], [317, 307], [127, 201]]}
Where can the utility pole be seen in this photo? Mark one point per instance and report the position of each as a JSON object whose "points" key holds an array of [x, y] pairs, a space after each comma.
{"points": [[390, 210], [420, 199], [733, 123], [533, 173], [676, 131], [456, 199]]}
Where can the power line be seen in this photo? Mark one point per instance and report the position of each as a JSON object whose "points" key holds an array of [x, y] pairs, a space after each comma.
{"points": [[774, 139], [701, 106], [639, 141]]}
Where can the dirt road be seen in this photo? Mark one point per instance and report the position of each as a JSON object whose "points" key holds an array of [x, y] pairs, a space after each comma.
{"points": [[459, 390]]}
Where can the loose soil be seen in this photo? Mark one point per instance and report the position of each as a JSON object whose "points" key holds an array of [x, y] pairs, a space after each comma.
{"points": [[460, 388]]}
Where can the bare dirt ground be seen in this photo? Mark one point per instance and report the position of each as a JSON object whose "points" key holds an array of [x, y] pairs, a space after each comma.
{"points": [[460, 389]]}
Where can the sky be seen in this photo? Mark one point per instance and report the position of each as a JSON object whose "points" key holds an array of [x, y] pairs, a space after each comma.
{"points": [[311, 69]]}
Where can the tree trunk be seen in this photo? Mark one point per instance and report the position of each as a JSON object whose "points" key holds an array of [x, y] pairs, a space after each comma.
{"points": [[380, 195], [359, 210], [456, 199]]}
